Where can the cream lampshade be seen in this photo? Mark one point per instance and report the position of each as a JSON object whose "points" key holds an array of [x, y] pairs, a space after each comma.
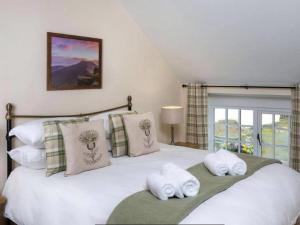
{"points": [[172, 115]]}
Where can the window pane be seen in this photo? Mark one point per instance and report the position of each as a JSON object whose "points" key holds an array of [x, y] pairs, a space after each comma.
{"points": [[282, 121], [233, 132], [219, 114], [247, 148], [267, 119], [267, 151], [220, 122], [219, 145], [247, 117], [233, 117], [267, 128], [282, 154], [247, 134], [233, 146], [282, 137]]}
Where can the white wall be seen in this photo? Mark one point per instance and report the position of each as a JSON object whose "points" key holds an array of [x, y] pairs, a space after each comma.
{"points": [[225, 42], [131, 64]]}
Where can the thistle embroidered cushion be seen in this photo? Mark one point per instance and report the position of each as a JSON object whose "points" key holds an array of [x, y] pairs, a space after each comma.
{"points": [[85, 146], [141, 134]]}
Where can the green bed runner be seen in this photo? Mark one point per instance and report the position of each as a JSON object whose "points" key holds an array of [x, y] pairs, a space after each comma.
{"points": [[143, 208]]}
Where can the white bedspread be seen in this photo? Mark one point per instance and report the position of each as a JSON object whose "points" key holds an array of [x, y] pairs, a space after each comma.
{"points": [[270, 197]]}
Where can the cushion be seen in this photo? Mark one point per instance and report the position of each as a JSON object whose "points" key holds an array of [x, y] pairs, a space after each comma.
{"points": [[55, 150], [29, 157], [119, 142], [32, 132], [141, 134], [105, 117], [85, 146]]}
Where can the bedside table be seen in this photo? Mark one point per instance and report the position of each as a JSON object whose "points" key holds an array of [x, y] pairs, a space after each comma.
{"points": [[187, 144], [2, 206]]}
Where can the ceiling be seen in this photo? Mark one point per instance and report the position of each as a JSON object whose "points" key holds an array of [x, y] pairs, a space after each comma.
{"points": [[224, 41]]}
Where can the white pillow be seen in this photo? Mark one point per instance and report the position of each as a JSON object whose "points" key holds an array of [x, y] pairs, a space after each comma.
{"points": [[104, 116], [32, 133], [28, 156]]}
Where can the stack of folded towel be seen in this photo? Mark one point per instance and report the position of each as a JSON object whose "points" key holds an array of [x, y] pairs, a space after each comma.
{"points": [[173, 181], [223, 162]]}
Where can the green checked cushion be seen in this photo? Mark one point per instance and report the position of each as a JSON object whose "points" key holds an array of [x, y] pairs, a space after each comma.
{"points": [[119, 140], [54, 143]]}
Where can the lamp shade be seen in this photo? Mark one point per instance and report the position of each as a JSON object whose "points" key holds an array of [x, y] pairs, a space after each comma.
{"points": [[172, 114]]}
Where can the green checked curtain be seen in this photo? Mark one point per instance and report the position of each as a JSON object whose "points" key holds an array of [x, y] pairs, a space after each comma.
{"points": [[197, 130], [295, 131]]}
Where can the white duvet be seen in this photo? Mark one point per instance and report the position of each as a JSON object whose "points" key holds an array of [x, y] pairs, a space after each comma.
{"points": [[269, 197]]}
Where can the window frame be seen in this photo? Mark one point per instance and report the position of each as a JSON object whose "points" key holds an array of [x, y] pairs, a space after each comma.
{"points": [[274, 145], [257, 125]]}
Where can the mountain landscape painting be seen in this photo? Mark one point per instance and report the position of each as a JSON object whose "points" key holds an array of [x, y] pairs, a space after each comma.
{"points": [[74, 62]]}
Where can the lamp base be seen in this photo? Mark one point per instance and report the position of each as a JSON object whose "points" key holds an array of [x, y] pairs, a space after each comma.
{"points": [[172, 135]]}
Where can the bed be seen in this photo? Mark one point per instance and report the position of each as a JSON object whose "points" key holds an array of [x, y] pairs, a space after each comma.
{"points": [[270, 196]]}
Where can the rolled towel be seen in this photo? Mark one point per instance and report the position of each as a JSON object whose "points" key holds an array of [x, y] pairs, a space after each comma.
{"points": [[187, 184], [216, 165], [160, 186], [169, 174], [236, 165]]}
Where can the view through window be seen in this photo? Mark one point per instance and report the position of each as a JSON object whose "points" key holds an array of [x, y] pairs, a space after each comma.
{"points": [[252, 131]]}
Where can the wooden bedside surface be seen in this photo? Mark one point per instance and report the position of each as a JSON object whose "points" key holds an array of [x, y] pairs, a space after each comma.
{"points": [[2, 205], [187, 144]]}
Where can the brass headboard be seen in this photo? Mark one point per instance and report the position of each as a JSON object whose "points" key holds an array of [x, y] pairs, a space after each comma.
{"points": [[10, 116]]}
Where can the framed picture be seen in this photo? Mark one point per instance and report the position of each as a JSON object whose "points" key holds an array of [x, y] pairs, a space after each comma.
{"points": [[73, 62]]}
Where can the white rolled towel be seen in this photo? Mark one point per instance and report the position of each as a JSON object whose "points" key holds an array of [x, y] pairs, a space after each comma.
{"points": [[236, 165], [187, 184], [215, 164], [160, 186], [169, 174]]}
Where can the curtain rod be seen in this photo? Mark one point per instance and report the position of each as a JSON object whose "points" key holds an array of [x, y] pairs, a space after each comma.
{"points": [[243, 86]]}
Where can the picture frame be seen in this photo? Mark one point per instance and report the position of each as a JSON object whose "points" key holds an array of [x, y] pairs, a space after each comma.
{"points": [[73, 62]]}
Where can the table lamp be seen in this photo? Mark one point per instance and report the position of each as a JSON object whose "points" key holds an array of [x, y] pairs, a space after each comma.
{"points": [[172, 115]]}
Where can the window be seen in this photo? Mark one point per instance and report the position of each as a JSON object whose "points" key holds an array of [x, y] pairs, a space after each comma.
{"points": [[275, 136], [259, 131], [233, 130]]}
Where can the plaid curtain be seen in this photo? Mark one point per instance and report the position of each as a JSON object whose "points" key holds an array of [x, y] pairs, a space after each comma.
{"points": [[197, 130], [295, 131]]}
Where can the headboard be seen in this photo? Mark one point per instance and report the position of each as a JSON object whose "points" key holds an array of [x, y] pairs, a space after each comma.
{"points": [[10, 116]]}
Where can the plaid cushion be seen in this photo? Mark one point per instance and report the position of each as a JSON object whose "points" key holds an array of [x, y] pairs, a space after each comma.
{"points": [[119, 140], [54, 143]]}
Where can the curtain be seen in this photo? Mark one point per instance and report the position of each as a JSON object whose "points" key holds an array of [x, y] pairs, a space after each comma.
{"points": [[295, 130], [197, 129]]}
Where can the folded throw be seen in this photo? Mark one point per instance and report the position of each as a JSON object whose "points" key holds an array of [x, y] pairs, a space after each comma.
{"points": [[215, 164], [143, 208], [236, 165], [188, 184], [160, 186]]}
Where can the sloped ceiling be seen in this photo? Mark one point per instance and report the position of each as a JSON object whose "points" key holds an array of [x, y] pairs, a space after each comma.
{"points": [[225, 41]]}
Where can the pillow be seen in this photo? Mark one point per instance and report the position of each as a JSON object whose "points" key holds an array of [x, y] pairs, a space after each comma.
{"points": [[119, 141], [141, 134], [31, 133], [85, 146], [54, 143], [29, 157], [105, 118]]}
